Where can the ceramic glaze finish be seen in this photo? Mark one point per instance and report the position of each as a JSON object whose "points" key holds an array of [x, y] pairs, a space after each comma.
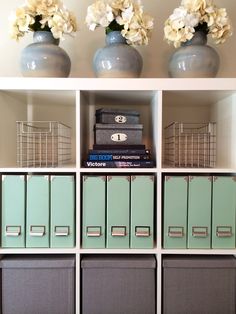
{"points": [[117, 59], [44, 58], [194, 59]]}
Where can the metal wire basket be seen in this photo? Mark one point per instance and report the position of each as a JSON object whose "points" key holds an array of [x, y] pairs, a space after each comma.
{"points": [[43, 143], [190, 144]]}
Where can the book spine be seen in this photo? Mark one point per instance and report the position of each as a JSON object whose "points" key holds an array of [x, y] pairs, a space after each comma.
{"points": [[119, 164], [118, 146], [114, 157], [119, 151]]}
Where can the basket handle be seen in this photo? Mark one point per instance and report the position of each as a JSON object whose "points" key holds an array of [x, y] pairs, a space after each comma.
{"points": [[36, 129]]}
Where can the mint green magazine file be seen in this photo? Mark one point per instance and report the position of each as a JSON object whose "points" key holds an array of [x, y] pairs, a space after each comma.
{"points": [[199, 212], [93, 211], [175, 212], [62, 200], [142, 211], [13, 211], [223, 212], [118, 208], [37, 211]]}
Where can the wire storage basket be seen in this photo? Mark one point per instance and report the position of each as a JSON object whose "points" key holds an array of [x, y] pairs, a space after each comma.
{"points": [[190, 144], [43, 143]]}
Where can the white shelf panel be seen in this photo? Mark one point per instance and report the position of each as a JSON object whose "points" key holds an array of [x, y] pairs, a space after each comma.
{"points": [[160, 252], [119, 170], [19, 83], [118, 251], [38, 170], [199, 251], [198, 170], [38, 251]]}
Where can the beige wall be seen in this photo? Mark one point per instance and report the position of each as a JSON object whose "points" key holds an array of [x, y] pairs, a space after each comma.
{"points": [[82, 47]]}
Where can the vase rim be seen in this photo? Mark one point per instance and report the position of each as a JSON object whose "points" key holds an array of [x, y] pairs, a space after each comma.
{"points": [[115, 37], [199, 38], [42, 36], [42, 30]]}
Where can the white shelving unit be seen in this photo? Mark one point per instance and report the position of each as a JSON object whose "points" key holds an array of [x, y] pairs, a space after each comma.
{"points": [[159, 101]]}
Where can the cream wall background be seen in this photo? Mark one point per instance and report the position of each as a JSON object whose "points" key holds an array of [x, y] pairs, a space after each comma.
{"points": [[82, 47]]}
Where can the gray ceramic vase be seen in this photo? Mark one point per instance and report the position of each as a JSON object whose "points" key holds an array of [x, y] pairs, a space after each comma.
{"points": [[117, 59], [194, 59], [44, 58]]}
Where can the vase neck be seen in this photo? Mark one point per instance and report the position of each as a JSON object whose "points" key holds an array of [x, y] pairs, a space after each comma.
{"points": [[199, 38], [115, 37], [45, 37]]}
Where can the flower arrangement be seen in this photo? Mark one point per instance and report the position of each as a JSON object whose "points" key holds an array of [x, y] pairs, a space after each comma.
{"points": [[44, 15], [126, 16], [197, 15]]}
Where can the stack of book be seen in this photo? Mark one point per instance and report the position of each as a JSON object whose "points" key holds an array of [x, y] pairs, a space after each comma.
{"points": [[118, 141]]}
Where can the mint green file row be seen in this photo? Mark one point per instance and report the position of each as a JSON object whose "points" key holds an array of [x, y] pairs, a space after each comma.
{"points": [[38, 211], [118, 211], [199, 212]]}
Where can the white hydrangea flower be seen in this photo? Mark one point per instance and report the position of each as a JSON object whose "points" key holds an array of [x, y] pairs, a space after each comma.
{"points": [[128, 14], [120, 5], [99, 14], [20, 23], [148, 22], [133, 37], [182, 18], [195, 5], [221, 29], [139, 30], [51, 14], [181, 24]]}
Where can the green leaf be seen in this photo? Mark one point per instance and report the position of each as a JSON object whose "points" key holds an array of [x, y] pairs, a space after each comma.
{"points": [[37, 26], [202, 27], [114, 26]]}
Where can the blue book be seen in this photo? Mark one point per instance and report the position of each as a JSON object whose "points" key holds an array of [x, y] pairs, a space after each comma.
{"points": [[119, 164]]}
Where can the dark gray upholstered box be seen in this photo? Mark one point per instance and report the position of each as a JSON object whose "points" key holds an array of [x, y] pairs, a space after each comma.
{"points": [[116, 134], [118, 284], [120, 116], [199, 285], [38, 284]]}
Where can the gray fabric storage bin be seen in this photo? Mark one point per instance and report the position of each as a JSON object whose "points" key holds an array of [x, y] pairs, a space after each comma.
{"points": [[199, 285], [38, 284], [116, 134], [120, 116], [120, 284]]}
